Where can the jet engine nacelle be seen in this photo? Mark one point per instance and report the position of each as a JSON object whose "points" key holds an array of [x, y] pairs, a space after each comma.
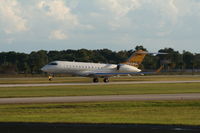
{"points": [[118, 66], [121, 67], [127, 68]]}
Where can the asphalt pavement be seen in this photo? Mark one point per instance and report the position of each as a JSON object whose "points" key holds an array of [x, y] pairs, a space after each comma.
{"points": [[71, 99]]}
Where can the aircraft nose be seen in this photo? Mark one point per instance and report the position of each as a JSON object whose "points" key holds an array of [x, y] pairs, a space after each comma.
{"points": [[43, 68]]}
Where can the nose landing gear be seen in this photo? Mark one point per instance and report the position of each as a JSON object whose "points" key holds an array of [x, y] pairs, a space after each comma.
{"points": [[50, 77]]}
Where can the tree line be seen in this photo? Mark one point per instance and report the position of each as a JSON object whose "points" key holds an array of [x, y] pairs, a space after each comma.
{"points": [[14, 62]]}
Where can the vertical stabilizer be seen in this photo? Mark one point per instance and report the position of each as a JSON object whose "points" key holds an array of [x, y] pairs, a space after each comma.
{"points": [[136, 58]]}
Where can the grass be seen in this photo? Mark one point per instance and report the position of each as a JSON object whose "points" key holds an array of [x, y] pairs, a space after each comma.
{"points": [[36, 80], [40, 80], [106, 89], [140, 112], [151, 112], [97, 89]]}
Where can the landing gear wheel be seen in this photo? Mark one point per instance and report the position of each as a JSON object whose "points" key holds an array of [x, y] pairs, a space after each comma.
{"points": [[95, 80], [50, 77], [106, 80]]}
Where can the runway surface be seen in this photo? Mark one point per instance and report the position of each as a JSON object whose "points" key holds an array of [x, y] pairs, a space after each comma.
{"points": [[71, 99], [101, 83]]}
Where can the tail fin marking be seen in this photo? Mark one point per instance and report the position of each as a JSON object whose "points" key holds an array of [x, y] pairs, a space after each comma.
{"points": [[136, 58]]}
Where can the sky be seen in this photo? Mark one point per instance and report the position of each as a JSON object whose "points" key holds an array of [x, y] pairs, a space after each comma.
{"points": [[31, 25]]}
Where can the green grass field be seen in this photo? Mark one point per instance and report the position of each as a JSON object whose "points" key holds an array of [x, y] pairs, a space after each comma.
{"points": [[104, 89], [151, 112], [137, 112], [99, 90]]}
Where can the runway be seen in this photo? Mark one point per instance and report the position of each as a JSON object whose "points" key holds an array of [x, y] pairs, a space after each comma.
{"points": [[100, 83], [71, 99]]}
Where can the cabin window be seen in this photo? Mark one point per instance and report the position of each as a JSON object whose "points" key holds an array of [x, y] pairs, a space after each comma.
{"points": [[53, 63]]}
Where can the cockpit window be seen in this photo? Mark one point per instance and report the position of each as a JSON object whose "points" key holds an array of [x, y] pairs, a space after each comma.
{"points": [[53, 63]]}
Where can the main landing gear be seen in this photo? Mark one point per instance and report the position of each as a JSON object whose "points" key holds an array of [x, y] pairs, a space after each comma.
{"points": [[106, 80], [96, 80]]}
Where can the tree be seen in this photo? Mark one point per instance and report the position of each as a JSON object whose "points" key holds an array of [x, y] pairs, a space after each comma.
{"points": [[188, 59], [37, 60], [172, 59], [31, 63], [197, 61], [140, 47]]}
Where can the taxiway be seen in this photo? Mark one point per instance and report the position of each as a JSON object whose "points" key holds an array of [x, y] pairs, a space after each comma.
{"points": [[71, 99]]}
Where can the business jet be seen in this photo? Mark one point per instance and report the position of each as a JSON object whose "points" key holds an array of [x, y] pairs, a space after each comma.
{"points": [[97, 70]]}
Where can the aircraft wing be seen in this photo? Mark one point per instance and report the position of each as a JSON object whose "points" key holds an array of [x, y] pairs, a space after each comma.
{"points": [[113, 74], [130, 73], [109, 74]]}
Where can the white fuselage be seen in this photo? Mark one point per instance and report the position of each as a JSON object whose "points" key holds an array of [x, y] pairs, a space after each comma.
{"points": [[88, 69]]}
